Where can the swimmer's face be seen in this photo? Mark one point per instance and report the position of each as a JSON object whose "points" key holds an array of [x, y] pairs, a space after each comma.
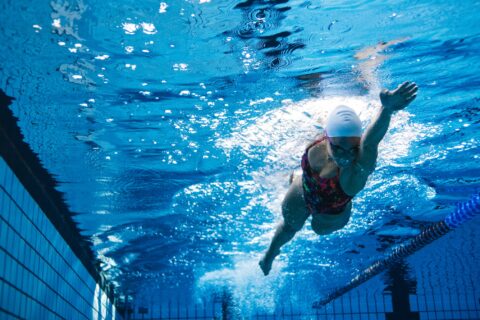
{"points": [[344, 150]]}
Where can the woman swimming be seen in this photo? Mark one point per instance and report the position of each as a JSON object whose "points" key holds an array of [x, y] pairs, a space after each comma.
{"points": [[334, 169]]}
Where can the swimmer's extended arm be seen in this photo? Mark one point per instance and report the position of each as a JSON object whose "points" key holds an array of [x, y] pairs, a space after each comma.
{"points": [[392, 100]]}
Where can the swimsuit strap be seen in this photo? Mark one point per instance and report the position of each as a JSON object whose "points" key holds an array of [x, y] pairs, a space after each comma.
{"points": [[314, 143]]}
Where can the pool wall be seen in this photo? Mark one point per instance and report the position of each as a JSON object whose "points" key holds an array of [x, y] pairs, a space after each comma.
{"points": [[47, 270]]}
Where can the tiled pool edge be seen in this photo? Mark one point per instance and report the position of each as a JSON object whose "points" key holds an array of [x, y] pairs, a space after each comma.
{"points": [[47, 269]]}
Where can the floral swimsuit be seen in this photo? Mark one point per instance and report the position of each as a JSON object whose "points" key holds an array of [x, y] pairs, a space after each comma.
{"points": [[322, 195]]}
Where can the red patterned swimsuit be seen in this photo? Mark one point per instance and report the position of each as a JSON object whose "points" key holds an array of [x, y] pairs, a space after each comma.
{"points": [[322, 195]]}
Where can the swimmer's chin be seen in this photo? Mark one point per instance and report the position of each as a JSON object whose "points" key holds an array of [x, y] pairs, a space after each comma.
{"points": [[344, 163]]}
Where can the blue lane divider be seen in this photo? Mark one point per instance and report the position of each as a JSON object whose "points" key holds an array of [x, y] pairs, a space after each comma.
{"points": [[464, 212]]}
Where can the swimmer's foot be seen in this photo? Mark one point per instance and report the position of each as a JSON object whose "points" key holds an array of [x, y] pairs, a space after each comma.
{"points": [[266, 262], [265, 265]]}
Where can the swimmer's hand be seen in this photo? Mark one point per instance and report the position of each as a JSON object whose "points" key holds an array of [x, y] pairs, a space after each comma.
{"points": [[398, 99]]}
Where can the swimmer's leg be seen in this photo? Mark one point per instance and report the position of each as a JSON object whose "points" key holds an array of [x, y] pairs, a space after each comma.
{"points": [[294, 217], [283, 234]]}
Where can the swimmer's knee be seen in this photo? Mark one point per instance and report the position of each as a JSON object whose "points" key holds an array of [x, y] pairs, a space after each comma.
{"points": [[287, 227]]}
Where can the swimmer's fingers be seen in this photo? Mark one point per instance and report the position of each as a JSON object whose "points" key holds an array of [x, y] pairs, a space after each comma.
{"points": [[406, 86], [402, 86], [412, 91], [411, 98]]}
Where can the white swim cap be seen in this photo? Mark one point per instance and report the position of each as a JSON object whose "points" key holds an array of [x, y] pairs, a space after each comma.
{"points": [[343, 122]]}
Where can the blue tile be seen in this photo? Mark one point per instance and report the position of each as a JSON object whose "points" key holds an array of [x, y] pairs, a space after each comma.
{"points": [[8, 238], [22, 224], [12, 247], [20, 302], [16, 302], [55, 239], [17, 220], [6, 178], [43, 313], [27, 229], [3, 257], [3, 167], [28, 309], [39, 217], [55, 278], [29, 206], [38, 290], [45, 228], [59, 262], [43, 250], [38, 223], [11, 242], [27, 280], [46, 275], [7, 209], [43, 292], [44, 272], [3, 199], [32, 284], [17, 274], [3, 291], [35, 214], [9, 182], [34, 237], [19, 191], [41, 224], [33, 234], [3, 233], [38, 242], [21, 197], [6, 316], [12, 297], [26, 252], [6, 290], [14, 191], [37, 265]]}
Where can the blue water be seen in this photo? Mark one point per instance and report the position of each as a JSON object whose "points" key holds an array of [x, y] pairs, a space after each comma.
{"points": [[172, 128]]}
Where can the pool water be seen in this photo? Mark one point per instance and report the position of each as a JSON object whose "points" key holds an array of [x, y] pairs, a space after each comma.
{"points": [[172, 128]]}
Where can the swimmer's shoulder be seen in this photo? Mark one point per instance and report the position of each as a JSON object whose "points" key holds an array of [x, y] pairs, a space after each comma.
{"points": [[317, 154]]}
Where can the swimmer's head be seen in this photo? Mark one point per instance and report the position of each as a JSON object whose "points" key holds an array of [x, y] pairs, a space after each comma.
{"points": [[343, 122], [344, 131]]}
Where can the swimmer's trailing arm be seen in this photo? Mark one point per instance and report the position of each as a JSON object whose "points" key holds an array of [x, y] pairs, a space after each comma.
{"points": [[392, 100]]}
